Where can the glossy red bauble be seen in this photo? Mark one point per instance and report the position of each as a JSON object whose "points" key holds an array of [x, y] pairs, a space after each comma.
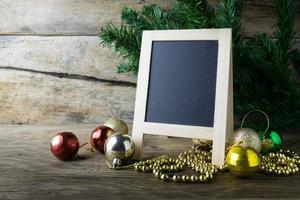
{"points": [[64, 145], [99, 136]]}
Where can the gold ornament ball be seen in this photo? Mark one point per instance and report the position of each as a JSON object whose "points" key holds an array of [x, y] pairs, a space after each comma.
{"points": [[242, 161], [246, 137], [117, 125]]}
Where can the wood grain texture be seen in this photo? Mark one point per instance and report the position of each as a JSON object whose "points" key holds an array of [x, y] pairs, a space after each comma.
{"points": [[62, 54], [78, 17], [67, 17], [260, 16], [30, 171], [36, 98]]}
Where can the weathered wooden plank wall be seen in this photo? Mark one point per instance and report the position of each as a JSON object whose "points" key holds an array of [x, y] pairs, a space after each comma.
{"points": [[53, 70]]}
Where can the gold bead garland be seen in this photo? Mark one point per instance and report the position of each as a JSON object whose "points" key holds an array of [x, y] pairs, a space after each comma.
{"points": [[164, 167], [198, 159], [283, 163]]}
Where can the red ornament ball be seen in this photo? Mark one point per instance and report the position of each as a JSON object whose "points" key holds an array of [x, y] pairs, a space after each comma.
{"points": [[64, 145], [99, 136]]}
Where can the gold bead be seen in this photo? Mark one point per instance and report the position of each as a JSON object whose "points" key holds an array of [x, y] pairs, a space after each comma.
{"points": [[164, 177], [184, 178], [172, 167], [176, 178], [165, 167], [278, 172], [148, 162], [201, 178], [194, 178], [145, 168], [136, 167], [157, 174], [179, 166], [139, 168], [271, 155]]}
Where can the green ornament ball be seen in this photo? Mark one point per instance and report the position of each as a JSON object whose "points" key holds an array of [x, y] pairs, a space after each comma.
{"points": [[271, 143]]}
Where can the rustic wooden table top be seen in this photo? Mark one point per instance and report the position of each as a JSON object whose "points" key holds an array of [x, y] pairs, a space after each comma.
{"points": [[30, 171]]}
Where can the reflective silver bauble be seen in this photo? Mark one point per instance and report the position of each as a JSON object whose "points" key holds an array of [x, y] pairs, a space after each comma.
{"points": [[247, 138], [118, 149]]}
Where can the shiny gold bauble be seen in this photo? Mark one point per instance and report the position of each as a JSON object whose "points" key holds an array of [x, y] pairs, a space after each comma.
{"points": [[242, 161], [246, 137], [118, 125]]}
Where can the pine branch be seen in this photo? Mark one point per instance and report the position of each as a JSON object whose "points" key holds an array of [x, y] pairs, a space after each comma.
{"points": [[133, 19], [195, 14], [285, 33], [229, 16], [129, 66], [296, 60], [275, 92], [151, 17], [159, 18], [124, 40], [285, 39]]}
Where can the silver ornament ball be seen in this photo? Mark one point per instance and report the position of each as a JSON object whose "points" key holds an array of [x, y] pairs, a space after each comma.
{"points": [[247, 137], [118, 149]]}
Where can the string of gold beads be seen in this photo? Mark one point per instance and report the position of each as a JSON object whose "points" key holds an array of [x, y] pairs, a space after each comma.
{"points": [[283, 163], [167, 168]]}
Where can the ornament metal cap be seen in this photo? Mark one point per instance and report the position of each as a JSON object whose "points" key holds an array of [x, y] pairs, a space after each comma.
{"points": [[116, 162]]}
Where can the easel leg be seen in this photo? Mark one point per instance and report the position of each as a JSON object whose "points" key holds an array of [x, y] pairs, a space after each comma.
{"points": [[218, 154], [138, 140]]}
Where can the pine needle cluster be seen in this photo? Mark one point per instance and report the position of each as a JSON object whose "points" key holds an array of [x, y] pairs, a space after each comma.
{"points": [[262, 66]]}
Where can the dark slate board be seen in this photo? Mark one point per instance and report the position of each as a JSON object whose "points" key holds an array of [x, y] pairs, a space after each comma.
{"points": [[182, 82]]}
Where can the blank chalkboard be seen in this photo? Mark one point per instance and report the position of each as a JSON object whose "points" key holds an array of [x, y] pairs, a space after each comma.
{"points": [[184, 87], [182, 82]]}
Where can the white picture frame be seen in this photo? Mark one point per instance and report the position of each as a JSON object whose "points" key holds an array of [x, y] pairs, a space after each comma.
{"points": [[223, 113]]}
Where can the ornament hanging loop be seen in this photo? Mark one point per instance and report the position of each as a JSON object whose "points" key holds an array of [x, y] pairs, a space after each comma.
{"points": [[260, 111]]}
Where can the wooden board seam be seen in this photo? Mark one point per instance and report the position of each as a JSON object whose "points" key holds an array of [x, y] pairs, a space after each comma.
{"points": [[72, 76]]}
